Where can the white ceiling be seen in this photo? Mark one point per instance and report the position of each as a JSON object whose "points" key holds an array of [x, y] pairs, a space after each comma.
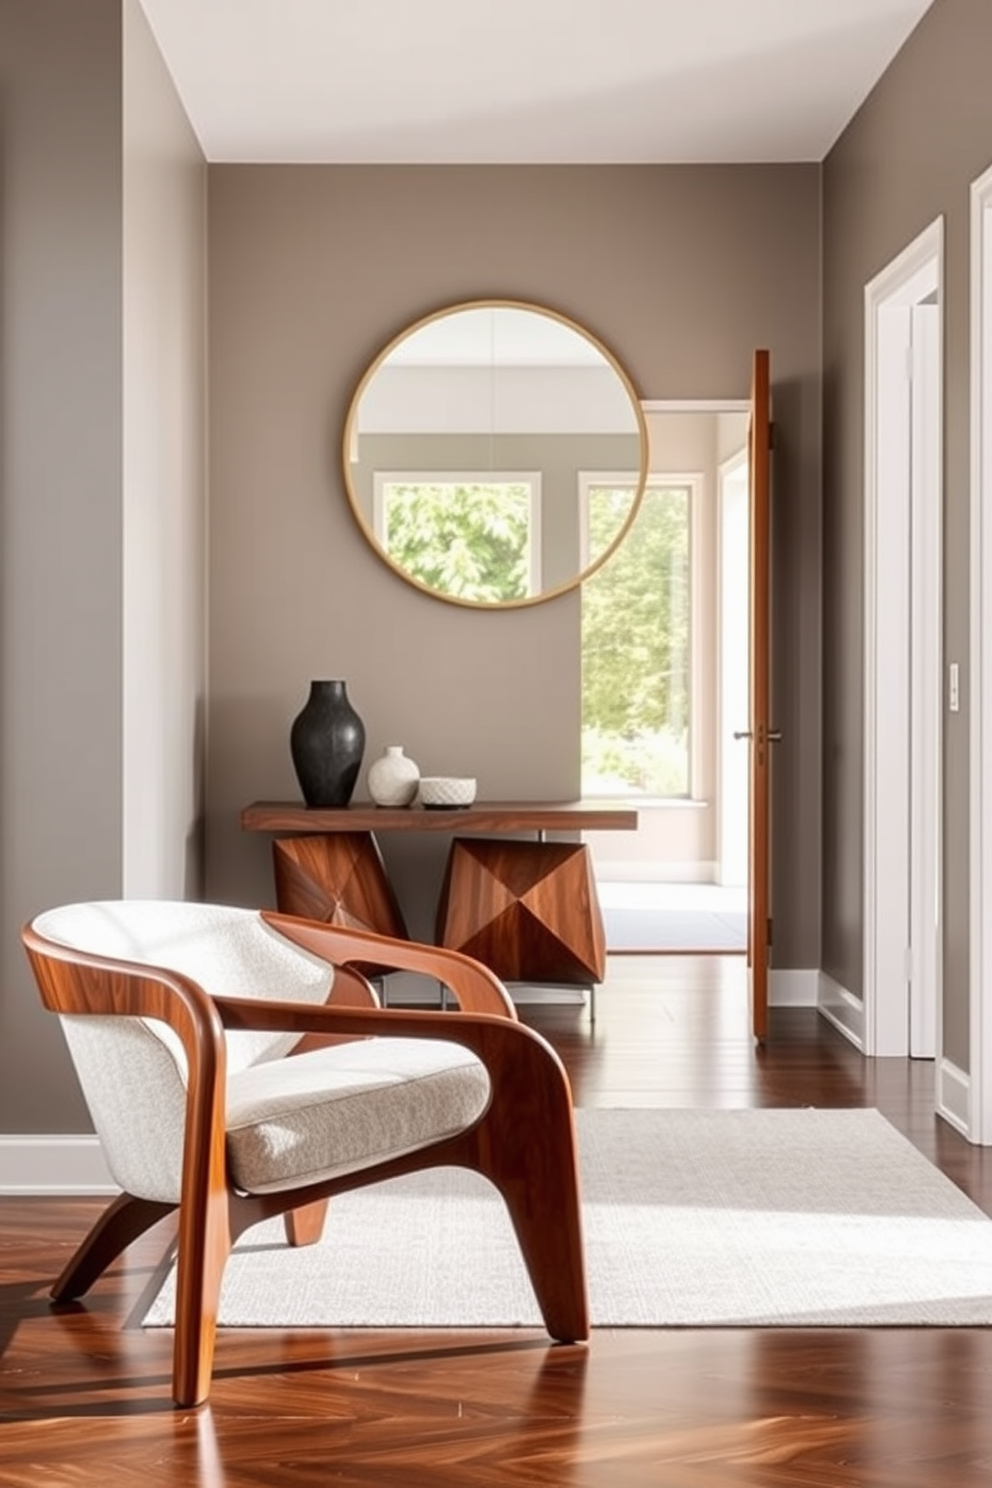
{"points": [[509, 81]]}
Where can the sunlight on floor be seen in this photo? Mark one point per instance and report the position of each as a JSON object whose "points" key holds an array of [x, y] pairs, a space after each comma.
{"points": [[673, 916], [702, 896]]}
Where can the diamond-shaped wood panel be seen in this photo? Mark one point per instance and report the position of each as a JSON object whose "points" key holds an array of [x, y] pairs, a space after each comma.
{"points": [[339, 878], [527, 910]]}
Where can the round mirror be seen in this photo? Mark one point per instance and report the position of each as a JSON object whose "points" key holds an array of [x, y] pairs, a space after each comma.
{"points": [[495, 454]]}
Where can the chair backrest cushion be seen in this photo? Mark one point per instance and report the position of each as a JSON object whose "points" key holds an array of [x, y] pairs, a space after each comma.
{"points": [[133, 1070]]}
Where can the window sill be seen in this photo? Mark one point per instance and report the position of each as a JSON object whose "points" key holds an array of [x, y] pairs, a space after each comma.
{"points": [[651, 803]]}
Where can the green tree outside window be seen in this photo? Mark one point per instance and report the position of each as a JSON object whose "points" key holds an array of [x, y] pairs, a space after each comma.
{"points": [[635, 648]]}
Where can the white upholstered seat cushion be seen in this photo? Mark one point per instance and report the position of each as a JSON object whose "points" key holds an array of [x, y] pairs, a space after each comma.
{"points": [[336, 1110]]}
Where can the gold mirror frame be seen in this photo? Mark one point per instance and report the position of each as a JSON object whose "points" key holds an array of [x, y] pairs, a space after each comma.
{"points": [[351, 440]]}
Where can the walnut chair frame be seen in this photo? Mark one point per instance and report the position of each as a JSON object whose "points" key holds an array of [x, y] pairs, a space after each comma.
{"points": [[524, 1142]]}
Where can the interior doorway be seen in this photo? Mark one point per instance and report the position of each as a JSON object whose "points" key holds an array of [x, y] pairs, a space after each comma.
{"points": [[680, 882]]}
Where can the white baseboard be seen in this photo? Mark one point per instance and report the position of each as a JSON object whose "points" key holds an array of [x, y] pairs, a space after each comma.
{"points": [[841, 1008], [792, 988], [653, 870], [524, 993], [71, 1165], [953, 1096], [407, 989], [786, 988], [53, 1165]]}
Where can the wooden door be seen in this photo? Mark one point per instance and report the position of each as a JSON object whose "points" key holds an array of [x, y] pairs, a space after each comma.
{"points": [[759, 736]]}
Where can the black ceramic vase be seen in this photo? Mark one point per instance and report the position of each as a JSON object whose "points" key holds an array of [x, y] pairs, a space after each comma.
{"points": [[327, 741]]}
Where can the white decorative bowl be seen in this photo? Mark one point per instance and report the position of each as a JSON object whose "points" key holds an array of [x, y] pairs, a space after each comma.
{"points": [[446, 792]]}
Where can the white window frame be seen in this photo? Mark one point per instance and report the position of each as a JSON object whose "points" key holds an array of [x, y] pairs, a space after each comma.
{"points": [[529, 478], [693, 481]]}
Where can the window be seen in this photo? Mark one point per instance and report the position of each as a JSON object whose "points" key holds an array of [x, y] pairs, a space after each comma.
{"points": [[473, 536], [636, 644]]}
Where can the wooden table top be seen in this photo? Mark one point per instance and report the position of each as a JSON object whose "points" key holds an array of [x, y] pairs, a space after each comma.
{"points": [[484, 816]]}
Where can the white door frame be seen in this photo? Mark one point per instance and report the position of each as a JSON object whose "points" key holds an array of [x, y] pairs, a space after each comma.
{"points": [[926, 707], [977, 1120], [903, 664]]}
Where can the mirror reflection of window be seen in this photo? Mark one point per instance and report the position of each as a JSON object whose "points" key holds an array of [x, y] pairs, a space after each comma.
{"points": [[473, 536], [470, 398], [636, 645]]}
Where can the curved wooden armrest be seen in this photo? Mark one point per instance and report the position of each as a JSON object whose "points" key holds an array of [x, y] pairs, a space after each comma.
{"points": [[72, 981], [474, 987]]}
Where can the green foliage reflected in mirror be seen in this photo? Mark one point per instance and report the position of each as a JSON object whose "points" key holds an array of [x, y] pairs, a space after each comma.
{"points": [[469, 443], [470, 540]]}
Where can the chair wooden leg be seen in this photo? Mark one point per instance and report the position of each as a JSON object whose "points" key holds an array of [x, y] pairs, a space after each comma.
{"points": [[527, 1149], [203, 1252], [120, 1223], [305, 1225], [548, 1226]]}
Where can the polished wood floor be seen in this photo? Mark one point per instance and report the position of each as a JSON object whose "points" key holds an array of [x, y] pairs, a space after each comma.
{"points": [[84, 1395]]}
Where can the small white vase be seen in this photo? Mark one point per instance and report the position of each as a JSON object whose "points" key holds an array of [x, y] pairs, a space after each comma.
{"points": [[393, 778]]}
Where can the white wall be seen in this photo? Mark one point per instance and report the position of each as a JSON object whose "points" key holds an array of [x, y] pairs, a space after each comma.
{"points": [[164, 286]]}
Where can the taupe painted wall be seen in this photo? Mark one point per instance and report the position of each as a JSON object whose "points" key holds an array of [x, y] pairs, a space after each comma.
{"points": [[682, 271], [61, 551], [64, 634], [908, 156]]}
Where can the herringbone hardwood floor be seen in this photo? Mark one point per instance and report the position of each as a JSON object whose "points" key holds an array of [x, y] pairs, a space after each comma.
{"points": [[84, 1395]]}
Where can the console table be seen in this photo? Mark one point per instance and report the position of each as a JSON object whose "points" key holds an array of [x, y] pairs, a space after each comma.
{"points": [[527, 908], [486, 816]]}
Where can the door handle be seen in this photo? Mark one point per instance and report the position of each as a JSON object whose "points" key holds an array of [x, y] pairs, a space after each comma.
{"points": [[774, 736]]}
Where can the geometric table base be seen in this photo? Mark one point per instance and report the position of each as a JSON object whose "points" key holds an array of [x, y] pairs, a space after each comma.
{"points": [[527, 910], [339, 878]]}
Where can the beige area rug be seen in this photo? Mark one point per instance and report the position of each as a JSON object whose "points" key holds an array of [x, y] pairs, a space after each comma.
{"points": [[748, 1218]]}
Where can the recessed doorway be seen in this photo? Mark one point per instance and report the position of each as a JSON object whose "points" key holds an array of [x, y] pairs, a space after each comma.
{"points": [[680, 882]]}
